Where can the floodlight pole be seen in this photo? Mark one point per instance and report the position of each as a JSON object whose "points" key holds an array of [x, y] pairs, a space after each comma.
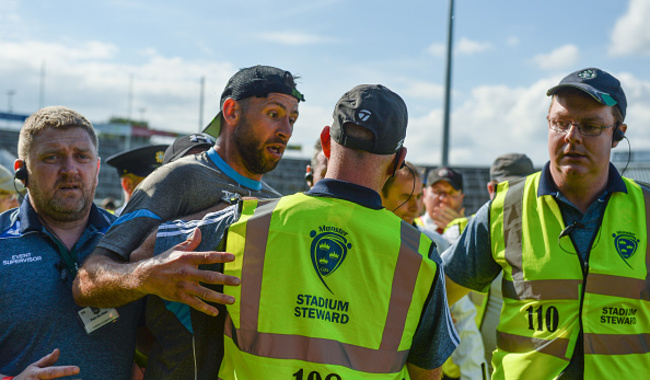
{"points": [[445, 124], [201, 101]]}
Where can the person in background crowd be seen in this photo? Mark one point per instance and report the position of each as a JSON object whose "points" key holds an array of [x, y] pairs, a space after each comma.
{"points": [[259, 107], [108, 204], [507, 167], [43, 333], [293, 253], [443, 199], [318, 168], [402, 195], [133, 166], [571, 243], [188, 145], [10, 190]]}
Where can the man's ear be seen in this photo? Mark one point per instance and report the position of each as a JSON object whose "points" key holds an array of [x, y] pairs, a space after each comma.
{"points": [[231, 111], [398, 162], [325, 141], [622, 128]]}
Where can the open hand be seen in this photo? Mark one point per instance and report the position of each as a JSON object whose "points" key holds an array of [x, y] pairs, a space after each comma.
{"points": [[174, 275], [44, 368]]}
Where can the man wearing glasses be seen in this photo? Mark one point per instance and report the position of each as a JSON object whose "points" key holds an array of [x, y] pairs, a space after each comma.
{"points": [[443, 199], [572, 243]]}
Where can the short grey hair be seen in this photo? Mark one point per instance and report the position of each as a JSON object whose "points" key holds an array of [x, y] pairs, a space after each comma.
{"points": [[54, 117]]}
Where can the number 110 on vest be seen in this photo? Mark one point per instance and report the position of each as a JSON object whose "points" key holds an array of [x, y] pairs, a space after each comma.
{"points": [[314, 375], [551, 317]]}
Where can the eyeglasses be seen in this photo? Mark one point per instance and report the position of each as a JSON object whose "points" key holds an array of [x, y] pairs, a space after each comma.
{"points": [[442, 194], [586, 129]]}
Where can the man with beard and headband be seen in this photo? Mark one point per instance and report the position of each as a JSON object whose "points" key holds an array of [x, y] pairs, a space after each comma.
{"points": [[259, 107], [43, 333]]}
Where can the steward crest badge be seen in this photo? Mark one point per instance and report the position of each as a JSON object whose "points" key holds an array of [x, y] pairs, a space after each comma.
{"points": [[328, 251], [626, 245]]}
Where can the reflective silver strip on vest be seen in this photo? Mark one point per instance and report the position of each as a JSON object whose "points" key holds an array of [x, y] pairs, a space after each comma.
{"points": [[512, 215], [595, 344], [541, 289], [522, 344], [386, 359], [617, 344], [257, 233]]}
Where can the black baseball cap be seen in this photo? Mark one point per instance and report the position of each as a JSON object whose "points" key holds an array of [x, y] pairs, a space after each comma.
{"points": [[139, 161], [449, 175], [254, 81], [184, 144], [511, 166], [375, 108], [601, 85]]}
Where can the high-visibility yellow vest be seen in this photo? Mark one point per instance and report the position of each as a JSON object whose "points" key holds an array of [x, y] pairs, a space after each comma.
{"points": [[546, 299], [329, 290], [458, 223]]}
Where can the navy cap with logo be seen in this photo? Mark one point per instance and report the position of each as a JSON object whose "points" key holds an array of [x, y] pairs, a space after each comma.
{"points": [[139, 161], [601, 85], [375, 108], [449, 175], [254, 81], [186, 143]]}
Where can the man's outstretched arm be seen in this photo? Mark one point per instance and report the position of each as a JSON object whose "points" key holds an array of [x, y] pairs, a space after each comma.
{"points": [[173, 275]]}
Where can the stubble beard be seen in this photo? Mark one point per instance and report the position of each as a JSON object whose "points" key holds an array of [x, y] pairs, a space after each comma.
{"points": [[63, 209], [251, 149]]}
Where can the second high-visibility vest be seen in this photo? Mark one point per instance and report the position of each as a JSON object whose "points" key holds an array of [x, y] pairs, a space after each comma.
{"points": [[547, 299], [330, 290]]}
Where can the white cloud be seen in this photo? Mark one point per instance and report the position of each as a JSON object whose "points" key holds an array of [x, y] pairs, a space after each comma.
{"points": [[563, 57], [631, 34], [494, 120], [85, 78], [294, 38], [463, 46], [513, 41], [423, 90], [467, 46], [11, 24], [437, 49]]}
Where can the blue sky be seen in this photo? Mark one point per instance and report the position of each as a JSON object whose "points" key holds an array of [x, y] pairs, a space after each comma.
{"points": [[507, 54]]}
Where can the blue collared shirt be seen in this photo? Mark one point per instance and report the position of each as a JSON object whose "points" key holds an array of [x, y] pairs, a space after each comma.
{"points": [[333, 188]]}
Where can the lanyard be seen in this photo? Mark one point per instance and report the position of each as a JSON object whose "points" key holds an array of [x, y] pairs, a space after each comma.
{"points": [[69, 258]]}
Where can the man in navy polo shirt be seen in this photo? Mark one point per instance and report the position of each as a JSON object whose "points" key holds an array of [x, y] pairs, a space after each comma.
{"points": [[43, 333]]}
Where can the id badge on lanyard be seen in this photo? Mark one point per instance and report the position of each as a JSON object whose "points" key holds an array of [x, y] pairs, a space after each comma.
{"points": [[91, 318]]}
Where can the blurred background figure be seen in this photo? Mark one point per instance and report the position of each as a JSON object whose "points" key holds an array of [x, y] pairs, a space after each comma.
{"points": [[443, 198], [508, 167], [318, 168], [10, 190], [402, 195], [188, 145], [133, 166], [108, 204]]}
